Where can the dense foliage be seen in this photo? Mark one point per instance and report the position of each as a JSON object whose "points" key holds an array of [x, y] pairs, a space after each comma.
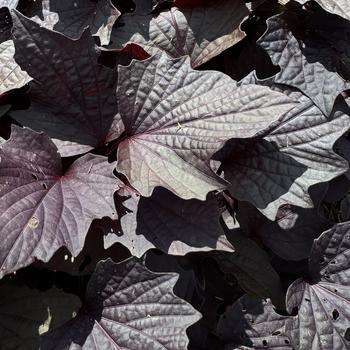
{"points": [[174, 174]]}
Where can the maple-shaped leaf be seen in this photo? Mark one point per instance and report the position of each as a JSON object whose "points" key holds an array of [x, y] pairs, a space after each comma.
{"points": [[307, 61], [11, 74], [43, 208], [127, 307], [169, 223], [73, 97], [26, 313], [323, 319], [72, 17], [252, 323], [337, 7], [294, 154], [176, 118], [200, 32]]}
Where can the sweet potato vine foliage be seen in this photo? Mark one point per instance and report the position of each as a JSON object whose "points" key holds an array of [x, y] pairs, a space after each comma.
{"points": [[174, 174]]}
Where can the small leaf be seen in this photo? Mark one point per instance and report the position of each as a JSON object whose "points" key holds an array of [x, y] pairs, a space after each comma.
{"points": [[127, 307]]}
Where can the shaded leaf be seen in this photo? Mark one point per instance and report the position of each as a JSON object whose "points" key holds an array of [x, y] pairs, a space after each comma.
{"points": [[254, 324], [74, 16], [184, 31], [324, 302], [26, 313], [338, 7], [127, 307], [5, 24], [250, 265], [43, 208], [307, 62], [73, 97], [176, 118], [11, 74], [171, 224], [295, 153]]}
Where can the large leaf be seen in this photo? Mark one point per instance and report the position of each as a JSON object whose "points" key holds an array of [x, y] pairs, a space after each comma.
{"points": [[306, 60], [200, 32], [75, 16], [43, 208], [294, 154], [254, 324], [26, 313], [171, 224], [11, 74], [250, 265], [338, 7], [73, 99], [127, 307], [324, 302], [176, 118]]}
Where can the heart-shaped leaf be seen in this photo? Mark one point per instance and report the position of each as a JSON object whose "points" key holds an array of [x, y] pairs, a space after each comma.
{"points": [[176, 118], [127, 307], [73, 97], [43, 208]]}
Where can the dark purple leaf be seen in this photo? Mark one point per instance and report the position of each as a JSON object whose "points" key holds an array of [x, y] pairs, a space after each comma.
{"points": [[324, 302], [295, 153], [307, 61], [250, 265], [73, 97], [190, 31], [254, 324], [127, 307], [72, 17], [26, 313], [5, 24], [171, 224], [176, 118], [43, 208]]}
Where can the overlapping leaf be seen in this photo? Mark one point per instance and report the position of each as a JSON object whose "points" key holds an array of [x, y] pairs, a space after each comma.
{"points": [[171, 224], [324, 303], [127, 307], [250, 265], [200, 32], [72, 17], [294, 154], [73, 97], [26, 313], [176, 118], [254, 324], [307, 62], [11, 4], [338, 7], [5, 24], [11, 74], [43, 208]]}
